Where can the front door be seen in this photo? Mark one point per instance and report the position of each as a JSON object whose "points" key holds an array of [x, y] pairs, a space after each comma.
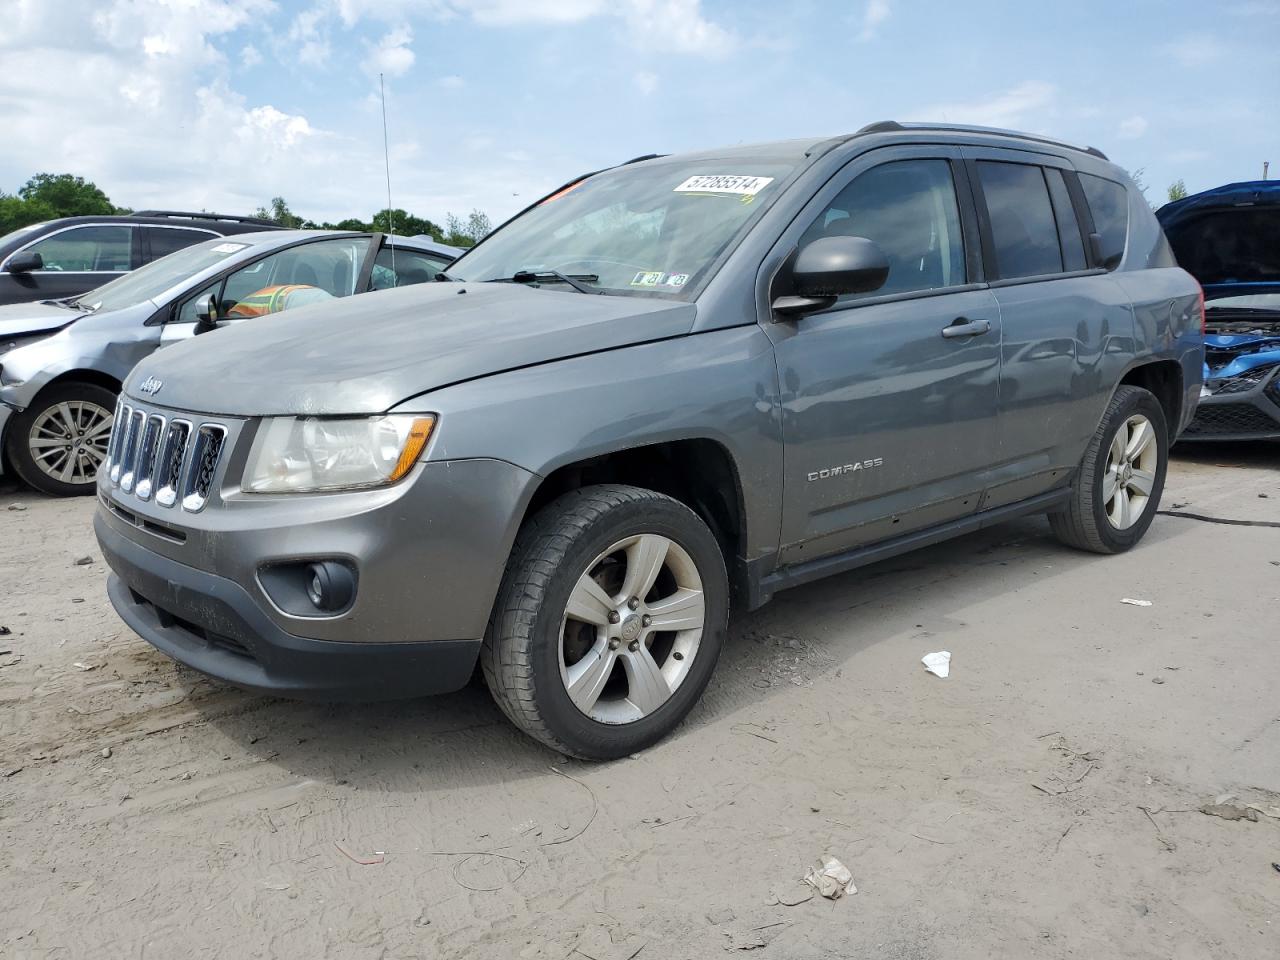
{"points": [[890, 398], [76, 259]]}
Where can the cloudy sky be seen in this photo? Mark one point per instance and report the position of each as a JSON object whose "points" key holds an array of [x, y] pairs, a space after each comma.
{"points": [[222, 104]]}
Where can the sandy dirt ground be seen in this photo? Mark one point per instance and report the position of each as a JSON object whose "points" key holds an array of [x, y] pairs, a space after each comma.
{"points": [[1044, 800]]}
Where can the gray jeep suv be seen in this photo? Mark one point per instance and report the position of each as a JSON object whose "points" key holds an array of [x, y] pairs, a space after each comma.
{"points": [[668, 384]]}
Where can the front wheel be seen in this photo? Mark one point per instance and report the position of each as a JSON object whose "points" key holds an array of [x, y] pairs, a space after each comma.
{"points": [[1121, 477], [58, 443], [609, 621]]}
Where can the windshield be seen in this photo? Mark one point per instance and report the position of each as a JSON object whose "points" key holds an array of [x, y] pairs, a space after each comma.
{"points": [[147, 283], [651, 229], [1252, 301], [21, 231]]}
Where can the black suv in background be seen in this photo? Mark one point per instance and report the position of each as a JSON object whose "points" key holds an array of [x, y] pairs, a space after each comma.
{"points": [[67, 257]]}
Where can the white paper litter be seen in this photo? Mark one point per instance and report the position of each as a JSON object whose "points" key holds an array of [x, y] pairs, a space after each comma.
{"points": [[1136, 603], [831, 878], [939, 664]]}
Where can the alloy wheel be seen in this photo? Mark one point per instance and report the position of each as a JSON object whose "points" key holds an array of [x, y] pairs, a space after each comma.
{"points": [[631, 629], [68, 441], [1132, 460]]}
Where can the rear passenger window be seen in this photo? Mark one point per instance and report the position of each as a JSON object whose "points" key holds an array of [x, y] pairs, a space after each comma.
{"points": [[167, 240], [1022, 224], [1068, 226], [1109, 204], [908, 208]]}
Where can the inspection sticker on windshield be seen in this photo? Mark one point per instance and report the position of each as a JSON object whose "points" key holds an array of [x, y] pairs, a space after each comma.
{"points": [[725, 183], [229, 247], [657, 278]]}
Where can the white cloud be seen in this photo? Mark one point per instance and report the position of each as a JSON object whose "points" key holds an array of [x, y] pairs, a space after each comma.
{"points": [[874, 14], [1023, 106], [1132, 128], [249, 55], [1195, 50], [646, 82], [391, 54], [668, 26]]}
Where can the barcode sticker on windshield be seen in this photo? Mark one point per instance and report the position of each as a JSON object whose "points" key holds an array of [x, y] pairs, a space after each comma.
{"points": [[229, 247], [724, 183]]}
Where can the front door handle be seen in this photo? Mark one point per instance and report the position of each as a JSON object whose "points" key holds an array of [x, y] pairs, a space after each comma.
{"points": [[964, 327]]}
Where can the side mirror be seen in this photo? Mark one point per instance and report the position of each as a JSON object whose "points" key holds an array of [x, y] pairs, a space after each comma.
{"points": [[829, 267], [206, 315], [25, 262]]}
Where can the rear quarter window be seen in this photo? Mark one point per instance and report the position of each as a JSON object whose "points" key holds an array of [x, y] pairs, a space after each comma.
{"points": [[1109, 204]]}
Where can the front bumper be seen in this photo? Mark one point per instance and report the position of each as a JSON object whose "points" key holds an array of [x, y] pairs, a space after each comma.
{"points": [[1238, 414], [213, 625], [429, 554]]}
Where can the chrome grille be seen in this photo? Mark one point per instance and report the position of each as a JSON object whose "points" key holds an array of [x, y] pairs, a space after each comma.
{"points": [[207, 450], [132, 441], [169, 459], [145, 472]]}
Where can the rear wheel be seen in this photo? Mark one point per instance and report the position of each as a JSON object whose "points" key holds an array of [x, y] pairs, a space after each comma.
{"points": [[1121, 477], [609, 621], [58, 443]]}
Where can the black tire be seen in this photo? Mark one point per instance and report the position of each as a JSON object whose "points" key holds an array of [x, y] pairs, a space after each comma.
{"points": [[20, 426], [521, 656], [1084, 523]]}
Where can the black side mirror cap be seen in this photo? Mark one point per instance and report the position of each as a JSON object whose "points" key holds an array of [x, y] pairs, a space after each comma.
{"points": [[24, 262], [830, 267]]}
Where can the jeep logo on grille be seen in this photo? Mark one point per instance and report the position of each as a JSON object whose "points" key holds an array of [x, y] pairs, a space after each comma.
{"points": [[150, 386]]}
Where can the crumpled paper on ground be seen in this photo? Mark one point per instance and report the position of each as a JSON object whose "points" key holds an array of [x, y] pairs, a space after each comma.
{"points": [[831, 878], [939, 664]]}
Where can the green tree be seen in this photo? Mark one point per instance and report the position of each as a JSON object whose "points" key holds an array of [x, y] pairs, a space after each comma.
{"points": [[279, 212], [16, 212], [466, 233], [404, 224], [67, 195], [1177, 190]]}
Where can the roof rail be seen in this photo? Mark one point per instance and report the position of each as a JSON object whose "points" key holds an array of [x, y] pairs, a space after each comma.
{"points": [[893, 126], [192, 215], [647, 156]]}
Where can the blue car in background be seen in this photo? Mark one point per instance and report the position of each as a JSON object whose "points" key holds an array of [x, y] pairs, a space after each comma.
{"points": [[1228, 238]]}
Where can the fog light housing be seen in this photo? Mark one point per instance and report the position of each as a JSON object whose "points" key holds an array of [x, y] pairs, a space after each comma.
{"points": [[310, 588], [330, 586]]}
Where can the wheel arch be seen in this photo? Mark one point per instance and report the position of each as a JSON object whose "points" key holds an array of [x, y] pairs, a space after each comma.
{"points": [[1163, 379], [699, 472]]}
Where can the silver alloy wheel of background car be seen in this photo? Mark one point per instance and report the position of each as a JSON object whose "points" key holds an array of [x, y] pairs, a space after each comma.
{"points": [[68, 441], [632, 629], [1132, 460]]}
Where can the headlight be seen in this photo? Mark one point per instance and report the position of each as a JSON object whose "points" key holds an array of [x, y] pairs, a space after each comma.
{"points": [[310, 454]]}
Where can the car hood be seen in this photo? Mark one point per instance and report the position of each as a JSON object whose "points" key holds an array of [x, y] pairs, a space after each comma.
{"points": [[1228, 238], [368, 353], [24, 319]]}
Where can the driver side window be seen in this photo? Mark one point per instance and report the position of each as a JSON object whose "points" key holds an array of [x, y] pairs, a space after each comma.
{"points": [[909, 209], [293, 277]]}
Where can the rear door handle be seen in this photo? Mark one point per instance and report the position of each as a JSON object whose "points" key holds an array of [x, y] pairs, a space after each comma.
{"points": [[964, 327]]}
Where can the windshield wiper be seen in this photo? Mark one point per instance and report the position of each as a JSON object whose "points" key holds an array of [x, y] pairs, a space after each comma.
{"points": [[542, 276]]}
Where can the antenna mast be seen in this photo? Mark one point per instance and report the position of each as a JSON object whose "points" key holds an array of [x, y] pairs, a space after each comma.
{"points": [[386, 153]]}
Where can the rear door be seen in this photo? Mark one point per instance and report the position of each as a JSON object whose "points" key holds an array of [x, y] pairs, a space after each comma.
{"points": [[890, 398], [1066, 327], [77, 259], [400, 266], [160, 241]]}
